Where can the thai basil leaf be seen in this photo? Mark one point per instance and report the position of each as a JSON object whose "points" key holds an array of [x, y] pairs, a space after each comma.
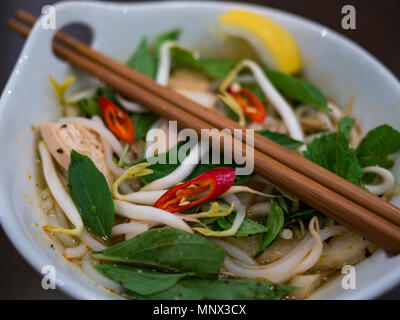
{"points": [[142, 123], [90, 106], [170, 249], [247, 228], [254, 88], [332, 152], [109, 94], [283, 205], [139, 280], [169, 35], [281, 138], [143, 61], [213, 67], [299, 90], [216, 68], [89, 191], [377, 145], [160, 170], [274, 224], [222, 289], [300, 215]]}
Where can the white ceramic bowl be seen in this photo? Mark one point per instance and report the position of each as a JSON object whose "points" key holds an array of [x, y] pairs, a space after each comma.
{"points": [[341, 68]]}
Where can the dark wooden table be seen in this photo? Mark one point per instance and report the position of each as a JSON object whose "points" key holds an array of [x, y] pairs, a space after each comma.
{"points": [[377, 29]]}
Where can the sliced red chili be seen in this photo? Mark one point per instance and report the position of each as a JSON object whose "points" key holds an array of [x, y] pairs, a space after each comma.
{"points": [[250, 104], [117, 120], [205, 187]]}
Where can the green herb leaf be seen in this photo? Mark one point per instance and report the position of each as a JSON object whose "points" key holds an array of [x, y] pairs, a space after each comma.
{"points": [[109, 94], [89, 191], [142, 123], [160, 170], [168, 249], [346, 124], [90, 106], [139, 280], [332, 152], [226, 289], [254, 88], [247, 228], [169, 35], [281, 138], [299, 215], [299, 90], [274, 224], [377, 145], [215, 68], [143, 61]]}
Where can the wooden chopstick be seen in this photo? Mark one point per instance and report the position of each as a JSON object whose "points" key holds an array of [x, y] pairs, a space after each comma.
{"points": [[373, 227], [274, 150]]}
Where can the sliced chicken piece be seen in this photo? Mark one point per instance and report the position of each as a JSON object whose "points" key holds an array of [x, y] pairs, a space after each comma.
{"points": [[190, 80], [61, 139], [193, 85]]}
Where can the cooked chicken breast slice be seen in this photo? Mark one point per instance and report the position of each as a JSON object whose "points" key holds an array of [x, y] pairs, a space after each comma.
{"points": [[62, 139]]}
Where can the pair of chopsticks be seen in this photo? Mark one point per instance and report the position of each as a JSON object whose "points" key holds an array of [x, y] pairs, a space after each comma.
{"points": [[361, 211]]}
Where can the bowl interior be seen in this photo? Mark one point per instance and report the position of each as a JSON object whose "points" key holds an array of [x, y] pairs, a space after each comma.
{"points": [[344, 71]]}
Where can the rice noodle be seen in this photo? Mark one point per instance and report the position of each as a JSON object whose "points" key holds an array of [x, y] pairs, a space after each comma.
{"points": [[84, 93], [138, 212], [59, 193], [235, 252], [130, 106], [179, 174], [132, 227], [117, 171], [91, 242], [101, 130], [144, 197], [79, 251], [164, 65], [284, 268], [312, 257], [97, 277], [150, 197], [237, 189], [259, 209], [336, 112], [387, 183], [280, 104], [150, 146]]}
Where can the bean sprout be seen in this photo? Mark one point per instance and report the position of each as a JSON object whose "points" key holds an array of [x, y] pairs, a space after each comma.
{"points": [[138, 212], [79, 251], [60, 194], [131, 106], [97, 277], [132, 227], [387, 183], [179, 174]]}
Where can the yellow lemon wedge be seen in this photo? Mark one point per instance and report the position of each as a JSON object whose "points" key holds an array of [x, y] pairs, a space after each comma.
{"points": [[274, 45]]}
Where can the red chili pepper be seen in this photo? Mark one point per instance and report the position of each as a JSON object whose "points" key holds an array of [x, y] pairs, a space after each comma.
{"points": [[250, 104], [117, 120], [205, 187]]}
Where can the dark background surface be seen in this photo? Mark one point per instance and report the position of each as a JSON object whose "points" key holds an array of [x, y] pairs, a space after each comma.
{"points": [[378, 26]]}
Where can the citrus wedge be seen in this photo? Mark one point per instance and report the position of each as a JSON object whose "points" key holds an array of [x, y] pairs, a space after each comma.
{"points": [[274, 45]]}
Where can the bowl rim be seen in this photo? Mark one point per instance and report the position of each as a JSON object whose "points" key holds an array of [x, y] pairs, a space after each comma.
{"points": [[73, 288]]}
